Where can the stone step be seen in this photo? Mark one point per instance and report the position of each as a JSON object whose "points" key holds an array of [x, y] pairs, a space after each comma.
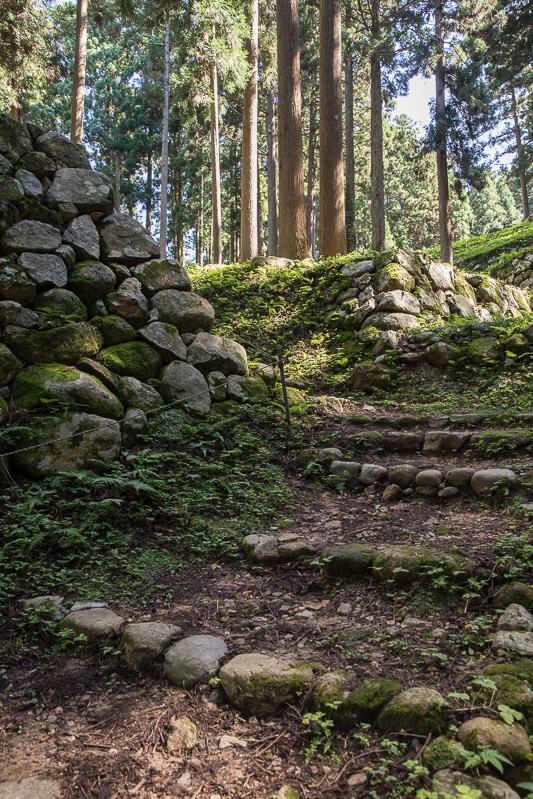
{"points": [[481, 443], [413, 479], [457, 421]]}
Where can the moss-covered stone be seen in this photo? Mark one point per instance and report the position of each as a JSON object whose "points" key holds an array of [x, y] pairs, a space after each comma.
{"points": [[37, 212], [509, 740], [393, 276], [9, 365], [442, 752], [114, 329], [260, 685], [368, 440], [225, 408], [65, 344], [420, 711], [346, 703], [368, 376], [42, 382], [347, 559], [15, 284], [514, 593], [246, 389], [504, 440], [404, 564], [484, 351], [132, 359], [57, 302], [91, 280]]}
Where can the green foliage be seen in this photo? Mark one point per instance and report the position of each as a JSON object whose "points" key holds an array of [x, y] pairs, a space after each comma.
{"points": [[191, 497], [495, 248]]}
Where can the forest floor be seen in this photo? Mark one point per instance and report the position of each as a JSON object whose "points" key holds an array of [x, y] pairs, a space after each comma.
{"points": [[101, 729]]}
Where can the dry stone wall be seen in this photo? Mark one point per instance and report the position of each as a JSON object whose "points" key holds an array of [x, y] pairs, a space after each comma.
{"points": [[96, 330], [399, 290]]}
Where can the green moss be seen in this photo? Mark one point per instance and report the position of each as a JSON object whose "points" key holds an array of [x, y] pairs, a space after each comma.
{"points": [[9, 365], [520, 669], [403, 564], [420, 711], [441, 753], [266, 693], [114, 329], [398, 276], [65, 344], [368, 440], [225, 408], [37, 212], [35, 388], [134, 359]]}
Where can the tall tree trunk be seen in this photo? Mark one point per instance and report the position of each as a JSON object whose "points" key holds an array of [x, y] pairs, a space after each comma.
{"points": [[311, 181], [520, 154], [201, 222], [377, 202], [249, 145], [445, 219], [349, 138], [272, 192], [14, 111], [292, 232], [260, 237], [117, 183], [164, 147], [332, 237], [78, 84], [148, 225], [215, 170], [232, 205]]}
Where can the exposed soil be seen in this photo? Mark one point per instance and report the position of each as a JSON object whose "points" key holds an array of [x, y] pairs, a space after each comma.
{"points": [[101, 728]]}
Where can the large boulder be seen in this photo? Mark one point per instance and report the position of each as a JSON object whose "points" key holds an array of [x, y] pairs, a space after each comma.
{"points": [[187, 311], [83, 236], [91, 281], [213, 353], [57, 146], [11, 190], [161, 274], [14, 138], [47, 271], [64, 344], [59, 302], [194, 659], [129, 303], [38, 164], [12, 313], [89, 191], [260, 684], [32, 186], [489, 481], [181, 381], [90, 438], [9, 365], [132, 359], [123, 239], [135, 394], [166, 340], [398, 300], [367, 376], [395, 277], [30, 236], [391, 321], [114, 329], [68, 386], [15, 285]]}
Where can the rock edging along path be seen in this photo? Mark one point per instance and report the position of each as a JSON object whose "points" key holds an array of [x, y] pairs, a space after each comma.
{"points": [[97, 330], [260, 685]]}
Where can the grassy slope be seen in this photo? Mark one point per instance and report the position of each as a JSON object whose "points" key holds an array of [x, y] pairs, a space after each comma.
{"points": [[494, 250]]}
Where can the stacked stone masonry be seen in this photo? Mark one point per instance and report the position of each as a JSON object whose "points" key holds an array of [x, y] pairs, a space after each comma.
{"points": [[91, 319]]}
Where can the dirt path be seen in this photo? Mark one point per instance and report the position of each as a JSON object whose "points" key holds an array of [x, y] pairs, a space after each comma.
{"points": [[101, 729]]}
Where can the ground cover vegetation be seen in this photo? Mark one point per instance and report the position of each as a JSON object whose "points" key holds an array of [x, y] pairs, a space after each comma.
{"points": [[371, 563]]}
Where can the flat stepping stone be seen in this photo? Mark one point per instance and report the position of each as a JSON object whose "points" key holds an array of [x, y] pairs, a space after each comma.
{"points": [[142, 643], [261, 685], [348, 559], [30, 788], [94, 623], [194, 659], [403, 564]]}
